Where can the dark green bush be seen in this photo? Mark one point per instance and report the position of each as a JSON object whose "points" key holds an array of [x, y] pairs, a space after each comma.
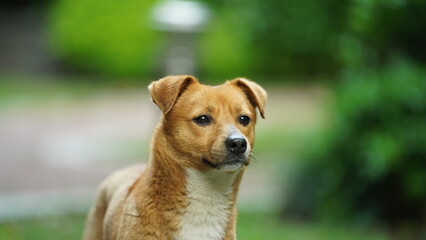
{"points": [[224, 51], [273, 38], [251, 37], [106, 37], [376, 31], [283, 37], [370, 165]]}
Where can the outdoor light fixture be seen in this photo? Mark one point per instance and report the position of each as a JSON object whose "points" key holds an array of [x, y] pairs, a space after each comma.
{"points": [[180, 21], [180, 16]]}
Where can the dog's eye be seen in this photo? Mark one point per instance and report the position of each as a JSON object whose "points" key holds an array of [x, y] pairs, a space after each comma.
{"points": [[244, 120], [202, 120]]}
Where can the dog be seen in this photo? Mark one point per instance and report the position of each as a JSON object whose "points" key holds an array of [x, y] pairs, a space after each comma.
{"points": [[199, 151]]}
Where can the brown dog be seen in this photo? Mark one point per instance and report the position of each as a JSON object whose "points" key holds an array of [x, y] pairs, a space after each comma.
{"points": [[199, 152]]}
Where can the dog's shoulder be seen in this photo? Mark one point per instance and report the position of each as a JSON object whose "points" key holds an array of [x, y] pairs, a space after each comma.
{"points": [[112, 192], [120, 181], [115, 189]]}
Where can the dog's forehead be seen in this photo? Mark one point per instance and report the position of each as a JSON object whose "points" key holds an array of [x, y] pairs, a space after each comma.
{"points": [[223, 94], [215, 97]]}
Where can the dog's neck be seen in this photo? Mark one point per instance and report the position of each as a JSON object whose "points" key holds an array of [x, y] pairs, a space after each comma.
{"points": [[209, 196], [211, 203]]}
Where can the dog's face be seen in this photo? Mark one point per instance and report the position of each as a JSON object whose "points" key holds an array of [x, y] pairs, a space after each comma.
{"points": [[213, 127]]}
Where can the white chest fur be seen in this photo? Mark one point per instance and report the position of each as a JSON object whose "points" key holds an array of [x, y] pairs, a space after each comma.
{"points": [[207, 214]]}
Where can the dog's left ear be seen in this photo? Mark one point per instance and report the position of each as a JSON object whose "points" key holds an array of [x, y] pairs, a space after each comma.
{"points": [[255, 93], [166, 91]]}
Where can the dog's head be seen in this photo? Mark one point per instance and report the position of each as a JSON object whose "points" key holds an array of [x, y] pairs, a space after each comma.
{"points": [[212, 126]]}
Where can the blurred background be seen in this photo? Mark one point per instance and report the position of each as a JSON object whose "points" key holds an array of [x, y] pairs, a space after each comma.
{"points": [[341, 154]]}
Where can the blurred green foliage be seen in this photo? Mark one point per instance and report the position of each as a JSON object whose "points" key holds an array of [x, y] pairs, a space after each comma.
{"points": [[287, 37], [261, 37], [244, 38], [377, 31], [370, 165], [224, 51], [104, 37]]}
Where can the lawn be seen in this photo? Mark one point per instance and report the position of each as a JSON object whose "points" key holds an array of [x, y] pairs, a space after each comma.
{"points": [[262, 225], [251, 226]]}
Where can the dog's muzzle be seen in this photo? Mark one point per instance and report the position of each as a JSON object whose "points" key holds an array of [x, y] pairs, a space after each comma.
{"points": [[236, 153]]}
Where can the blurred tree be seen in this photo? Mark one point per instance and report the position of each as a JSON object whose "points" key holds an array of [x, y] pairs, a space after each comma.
{"points": [[225, 51], [260, 38], [377, 31], [287, 37], [297, 37], [106, 37], [252, 37], [371, 165]]}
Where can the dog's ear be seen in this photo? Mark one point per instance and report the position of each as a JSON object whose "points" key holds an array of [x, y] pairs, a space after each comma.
{"points": [[166, 91], [255, 93]]}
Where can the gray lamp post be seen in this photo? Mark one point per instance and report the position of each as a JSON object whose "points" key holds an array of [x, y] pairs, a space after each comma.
{"points": [[180, 21]]}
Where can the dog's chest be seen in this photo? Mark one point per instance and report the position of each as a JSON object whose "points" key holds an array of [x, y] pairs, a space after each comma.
{"points": [[207, 214]]}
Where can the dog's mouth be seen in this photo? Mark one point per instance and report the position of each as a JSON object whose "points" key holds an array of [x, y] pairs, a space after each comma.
{"points": [[237, 161], [210, 164]]}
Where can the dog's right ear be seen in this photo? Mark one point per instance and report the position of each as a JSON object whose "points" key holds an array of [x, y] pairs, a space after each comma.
{"points": [[256, 94], [166, 91]]}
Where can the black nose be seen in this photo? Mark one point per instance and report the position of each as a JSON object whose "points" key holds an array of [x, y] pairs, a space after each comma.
{"points": [[236, 144]]}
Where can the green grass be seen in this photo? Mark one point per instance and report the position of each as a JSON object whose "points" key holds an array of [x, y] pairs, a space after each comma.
{"points": [[260, 226], [60, 227], [29, 89], [251, 226]]}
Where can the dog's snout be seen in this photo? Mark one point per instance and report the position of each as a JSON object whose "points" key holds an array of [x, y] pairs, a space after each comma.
{"points": [[236, 144]]}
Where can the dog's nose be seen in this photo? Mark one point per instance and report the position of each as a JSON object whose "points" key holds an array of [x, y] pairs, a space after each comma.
{"points": [[236, 144]]}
